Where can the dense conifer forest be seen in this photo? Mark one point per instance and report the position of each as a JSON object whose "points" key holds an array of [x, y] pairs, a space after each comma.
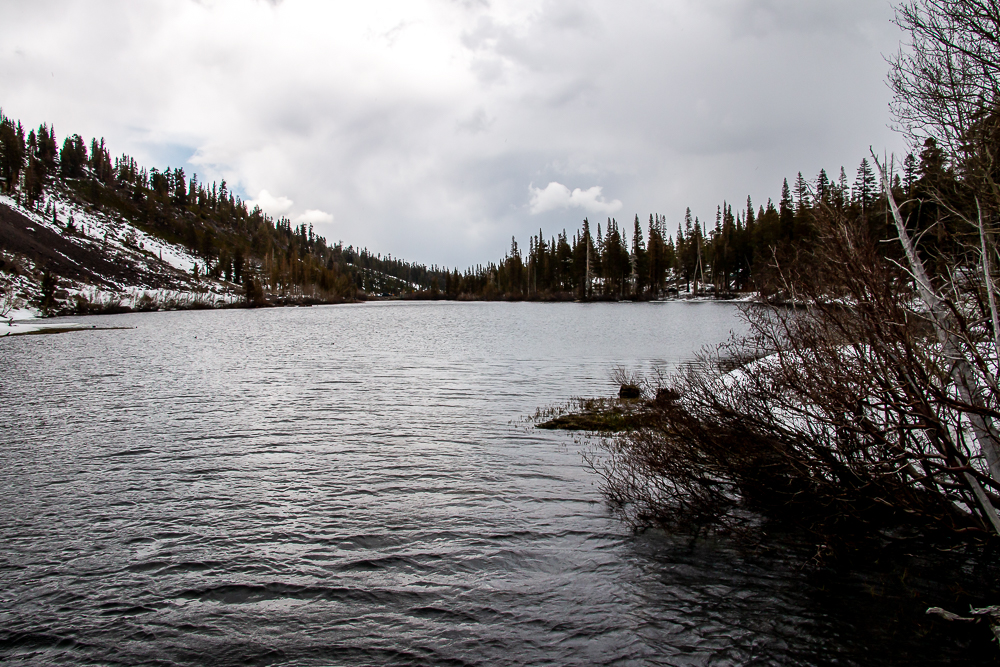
{"points": [[744, 249]]}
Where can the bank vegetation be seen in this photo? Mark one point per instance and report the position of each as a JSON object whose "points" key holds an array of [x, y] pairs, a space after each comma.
{"points": [[870, 408]]}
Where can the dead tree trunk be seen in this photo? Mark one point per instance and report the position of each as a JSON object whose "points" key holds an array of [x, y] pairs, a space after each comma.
{"points": [[962, 375]]}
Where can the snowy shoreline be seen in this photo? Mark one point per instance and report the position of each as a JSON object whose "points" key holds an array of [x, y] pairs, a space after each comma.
{"points": [[28, 328]]}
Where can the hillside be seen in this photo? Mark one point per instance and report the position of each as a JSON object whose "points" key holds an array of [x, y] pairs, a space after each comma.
{"points": [[74, 261], [81, 232]]}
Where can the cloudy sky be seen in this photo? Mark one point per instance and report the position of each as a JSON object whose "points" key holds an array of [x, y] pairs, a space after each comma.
{"points": [[437, 129]]}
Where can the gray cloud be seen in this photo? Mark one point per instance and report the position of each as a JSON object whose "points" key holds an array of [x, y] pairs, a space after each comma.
{"points": [[478, 122], [420, 128]]}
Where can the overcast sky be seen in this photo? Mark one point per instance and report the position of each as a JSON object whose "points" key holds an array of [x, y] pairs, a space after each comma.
{"points": [[437, 129]]}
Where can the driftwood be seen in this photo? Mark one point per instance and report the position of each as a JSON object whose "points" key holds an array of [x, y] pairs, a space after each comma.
{"points": [[989, 614]]}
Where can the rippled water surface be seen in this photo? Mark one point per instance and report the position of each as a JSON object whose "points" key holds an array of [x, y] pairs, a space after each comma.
{"points": [[350, 485]]}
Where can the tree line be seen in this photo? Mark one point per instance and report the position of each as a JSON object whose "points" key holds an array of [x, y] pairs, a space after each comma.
{"points": [[744, 250]]}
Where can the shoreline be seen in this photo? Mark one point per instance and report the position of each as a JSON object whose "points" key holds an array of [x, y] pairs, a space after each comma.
{"points": [[26, 316], [40, 328]]}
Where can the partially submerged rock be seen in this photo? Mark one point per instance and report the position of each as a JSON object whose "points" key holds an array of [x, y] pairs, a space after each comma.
{"points": [[630, 391]]}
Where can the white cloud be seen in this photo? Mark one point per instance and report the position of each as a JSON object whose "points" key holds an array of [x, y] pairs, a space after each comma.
{"points": [[273, 206], [314, 216], [556, 196], [282, 206]]}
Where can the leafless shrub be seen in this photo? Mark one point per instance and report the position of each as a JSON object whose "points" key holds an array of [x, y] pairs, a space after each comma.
{"points": [[631, 383], [9, 300], [877, 403]]}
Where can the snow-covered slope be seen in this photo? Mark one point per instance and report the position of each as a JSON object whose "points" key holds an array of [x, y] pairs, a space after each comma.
{"points": [[96, 262]]}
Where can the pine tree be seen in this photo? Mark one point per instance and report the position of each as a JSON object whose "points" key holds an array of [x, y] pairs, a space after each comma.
{"points": [[786, 212], [864, 186], [657, 259], [802, 198], [34, 175], [640, 263], [682, 258], [12, 153], [47, 150], [73, 157], [822, 187], [909, 172]]}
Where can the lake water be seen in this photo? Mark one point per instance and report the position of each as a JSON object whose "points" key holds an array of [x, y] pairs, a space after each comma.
{"points": [[354, 485]]}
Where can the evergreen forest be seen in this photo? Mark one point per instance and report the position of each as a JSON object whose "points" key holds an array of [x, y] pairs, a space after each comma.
{"points": [[743, 250]]}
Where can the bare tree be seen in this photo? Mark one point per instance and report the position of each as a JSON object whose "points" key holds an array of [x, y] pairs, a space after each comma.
{"points": [[948, 75], [8, 301], [956, 344]]}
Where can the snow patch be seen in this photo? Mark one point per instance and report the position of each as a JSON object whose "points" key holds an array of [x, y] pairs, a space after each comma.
{"points": [[21, 328]]}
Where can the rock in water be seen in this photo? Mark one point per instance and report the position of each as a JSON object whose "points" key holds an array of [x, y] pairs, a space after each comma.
{"points": [[629, 391]]}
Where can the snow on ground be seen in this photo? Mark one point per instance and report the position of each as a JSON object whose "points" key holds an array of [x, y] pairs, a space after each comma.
{"points": [[100, 227], [170, 254], [135, 298], [118, 237], [22, 328], [23, 314], [15, 291]]}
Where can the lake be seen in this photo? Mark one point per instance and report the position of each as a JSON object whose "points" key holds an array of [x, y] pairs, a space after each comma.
{"points": [[356, 485]]}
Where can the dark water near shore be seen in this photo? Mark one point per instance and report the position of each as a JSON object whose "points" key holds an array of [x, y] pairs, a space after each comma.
{"points": [[344, 485]]}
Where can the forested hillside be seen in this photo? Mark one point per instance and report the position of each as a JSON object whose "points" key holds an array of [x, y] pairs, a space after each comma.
{"points": [[229, 247]]}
